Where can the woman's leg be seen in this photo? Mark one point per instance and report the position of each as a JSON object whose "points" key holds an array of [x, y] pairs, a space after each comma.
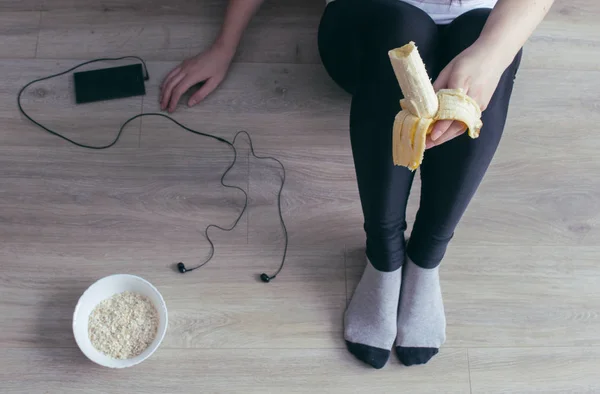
{"points": [[355, 37], [340, 41], [451, 174]]}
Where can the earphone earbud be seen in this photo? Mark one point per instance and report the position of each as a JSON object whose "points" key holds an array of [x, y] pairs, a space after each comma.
{"points": [[265, 278]]}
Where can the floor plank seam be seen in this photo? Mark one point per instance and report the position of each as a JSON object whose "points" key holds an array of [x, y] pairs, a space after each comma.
{"points": [[249, 199], [186, 348], [141, 122], [327, 348], [469, 370], [39, 31], [346, 273], [524, 347]]}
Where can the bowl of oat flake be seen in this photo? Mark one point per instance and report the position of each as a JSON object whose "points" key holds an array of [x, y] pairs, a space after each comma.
{"points": [[120, 321]]}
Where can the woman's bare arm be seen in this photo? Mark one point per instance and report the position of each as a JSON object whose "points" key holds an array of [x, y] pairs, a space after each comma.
{"points": [[237, 17], [510, 25], [210, 66]]}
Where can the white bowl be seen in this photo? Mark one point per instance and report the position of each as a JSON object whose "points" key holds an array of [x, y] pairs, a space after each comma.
{"points": [[103, 289]]}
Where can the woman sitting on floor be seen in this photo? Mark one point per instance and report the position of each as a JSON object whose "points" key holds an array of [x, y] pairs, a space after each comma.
{"points": [[475, 45]]}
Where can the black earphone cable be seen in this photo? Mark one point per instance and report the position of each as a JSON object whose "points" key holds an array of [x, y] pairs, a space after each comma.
{"points": [[180, 266]]}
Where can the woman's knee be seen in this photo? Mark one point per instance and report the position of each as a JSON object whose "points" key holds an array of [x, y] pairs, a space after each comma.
{"points": [[395, 23], [338, 42], [463, 31]]}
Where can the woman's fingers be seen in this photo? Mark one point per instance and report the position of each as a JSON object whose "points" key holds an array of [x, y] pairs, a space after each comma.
{"points": [[440, 128], [163, 97], [166, 94], [180, 89], [455, 129], [170, 75], [204, 91]]}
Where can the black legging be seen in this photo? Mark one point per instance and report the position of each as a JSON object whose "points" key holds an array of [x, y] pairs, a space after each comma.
{"points": [[354, 39]]}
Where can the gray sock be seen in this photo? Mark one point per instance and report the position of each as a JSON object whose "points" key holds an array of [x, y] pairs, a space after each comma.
{"points": [[371, 316], [421, 316]]}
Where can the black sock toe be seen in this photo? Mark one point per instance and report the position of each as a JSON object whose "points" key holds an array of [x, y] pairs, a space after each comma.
{"points": [[373, 356], [415, 355]]}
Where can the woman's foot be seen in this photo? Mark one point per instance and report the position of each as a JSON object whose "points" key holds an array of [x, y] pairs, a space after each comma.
{"points": [[371, 316], [421, 317]]}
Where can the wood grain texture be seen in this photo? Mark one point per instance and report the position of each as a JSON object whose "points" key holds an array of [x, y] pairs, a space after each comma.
{"points": [[21, 5], [18, 34], [281, 106], [71, 196], [521, 296], [567, 39], [320, 201], [535, 370], [174, 31], [51, 102], [229, 371], [222, 305], [281, 31], [205, 8], [519, 279]]}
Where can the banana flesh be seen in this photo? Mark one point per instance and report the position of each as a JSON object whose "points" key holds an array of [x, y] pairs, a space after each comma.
{"points": [[422, 107]]}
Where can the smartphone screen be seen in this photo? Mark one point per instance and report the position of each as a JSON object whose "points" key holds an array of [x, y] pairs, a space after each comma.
{"points": [[109, 83]]}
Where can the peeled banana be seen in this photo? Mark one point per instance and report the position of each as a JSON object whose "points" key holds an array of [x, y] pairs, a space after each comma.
{"points": [[422, 107]]}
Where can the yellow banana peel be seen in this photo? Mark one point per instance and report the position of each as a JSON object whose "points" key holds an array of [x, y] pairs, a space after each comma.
{"points": [[422, 107]]}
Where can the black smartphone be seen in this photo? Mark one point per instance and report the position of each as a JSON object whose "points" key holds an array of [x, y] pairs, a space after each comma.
{"points": [[109, 83]]}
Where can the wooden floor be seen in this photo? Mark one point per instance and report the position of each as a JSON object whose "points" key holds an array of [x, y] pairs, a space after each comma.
{"points": [[521, 280]]}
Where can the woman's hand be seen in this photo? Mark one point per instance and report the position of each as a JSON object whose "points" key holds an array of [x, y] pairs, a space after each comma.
{"points": [[478, 68], [477, 71], [209, 67]]}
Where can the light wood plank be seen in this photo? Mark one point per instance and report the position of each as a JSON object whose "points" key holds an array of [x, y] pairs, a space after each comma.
{"points": [[18, 34], [535, 370], [573, 11], [229, 371], [222, 305], [522, 296], [320, 201], [545, 110], [282, 107], [115, 6], [21, 5], [280, 32], [566, 39], [52, 103], [75, 196], [203, 8]]}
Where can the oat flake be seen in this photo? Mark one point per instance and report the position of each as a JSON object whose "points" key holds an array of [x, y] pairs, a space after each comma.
{"points": [[124, 325]]}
